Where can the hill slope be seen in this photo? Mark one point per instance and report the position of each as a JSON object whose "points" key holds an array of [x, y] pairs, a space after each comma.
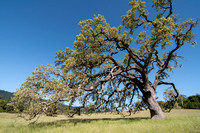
{"points": [[5, 95]]}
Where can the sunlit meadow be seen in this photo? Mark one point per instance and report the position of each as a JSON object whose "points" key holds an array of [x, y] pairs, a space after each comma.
{"points": [[178, 121]]}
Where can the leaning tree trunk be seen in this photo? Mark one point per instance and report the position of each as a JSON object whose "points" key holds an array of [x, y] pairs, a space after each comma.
{"points": [[149, 97]]}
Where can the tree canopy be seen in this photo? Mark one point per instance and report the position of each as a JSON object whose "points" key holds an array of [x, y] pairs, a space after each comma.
{"points": [[93, 72]]}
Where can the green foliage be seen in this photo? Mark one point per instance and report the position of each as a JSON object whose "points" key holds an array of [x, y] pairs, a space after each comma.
{"points": [[192, 102], [9, 107], [5, 106], [181, 100]]}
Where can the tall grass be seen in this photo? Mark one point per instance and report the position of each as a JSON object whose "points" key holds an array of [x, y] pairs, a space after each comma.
{"points": [[178, 121]]}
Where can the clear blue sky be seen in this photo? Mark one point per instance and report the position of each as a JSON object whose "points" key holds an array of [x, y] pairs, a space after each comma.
{"points": [[32, 31]]}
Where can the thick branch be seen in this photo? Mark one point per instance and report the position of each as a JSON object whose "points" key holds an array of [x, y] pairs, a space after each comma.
{"points": [[158, 60], [134, 80], [96, 83], [172, 84], [132, 54], [165, 65], [110, 76], [135, 57]]}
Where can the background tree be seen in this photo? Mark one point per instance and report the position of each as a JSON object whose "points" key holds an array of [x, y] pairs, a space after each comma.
{"points": [[3, 105], [192, 102], [171, 100], [109, 65], [5, 98], [181, 100], [162, 105]]}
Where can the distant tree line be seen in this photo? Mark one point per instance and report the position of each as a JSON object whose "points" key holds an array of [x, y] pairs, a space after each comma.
{"points": [[192, 102], [183, 102]]}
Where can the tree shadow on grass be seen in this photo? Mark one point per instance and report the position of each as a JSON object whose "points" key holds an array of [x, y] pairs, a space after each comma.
{"points": [[74, 122], [127, 120]]}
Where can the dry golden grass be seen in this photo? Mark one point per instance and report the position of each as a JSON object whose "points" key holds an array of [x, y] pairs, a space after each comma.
{"points": [[178, 121]]}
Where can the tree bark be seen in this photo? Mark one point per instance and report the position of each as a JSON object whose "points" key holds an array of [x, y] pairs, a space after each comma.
{"points": [[149, 97]]}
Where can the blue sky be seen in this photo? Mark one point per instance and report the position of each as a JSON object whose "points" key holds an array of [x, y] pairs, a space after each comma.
{"points": [[32, 31]]}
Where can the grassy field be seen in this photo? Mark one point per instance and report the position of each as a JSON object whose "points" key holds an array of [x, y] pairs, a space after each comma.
{"points": [[178, 121]]}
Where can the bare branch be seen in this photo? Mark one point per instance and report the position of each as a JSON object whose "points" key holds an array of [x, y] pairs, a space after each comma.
{"points": [[113, 53], [145, 16], [135, 57], [170, 8]]}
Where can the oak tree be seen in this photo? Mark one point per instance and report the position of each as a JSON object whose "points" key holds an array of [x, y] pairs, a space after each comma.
{"points": [[110, 65]]}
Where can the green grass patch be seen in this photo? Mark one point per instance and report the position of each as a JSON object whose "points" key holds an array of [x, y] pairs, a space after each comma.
{"points": [[178, 121]]}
